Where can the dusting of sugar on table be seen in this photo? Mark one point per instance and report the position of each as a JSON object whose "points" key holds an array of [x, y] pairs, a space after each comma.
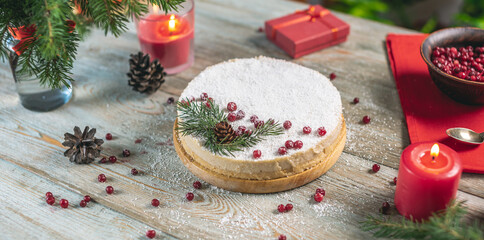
{"points": [[272, 88]]}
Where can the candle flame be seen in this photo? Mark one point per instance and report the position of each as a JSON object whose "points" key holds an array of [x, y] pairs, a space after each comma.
{"points": [[156, 8], [434, 151], [171, 23]]}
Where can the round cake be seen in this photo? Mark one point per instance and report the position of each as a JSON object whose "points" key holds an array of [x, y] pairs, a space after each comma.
{"points": [[271, 93]]}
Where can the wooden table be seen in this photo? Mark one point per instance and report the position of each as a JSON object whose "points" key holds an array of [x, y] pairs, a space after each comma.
{"points": [[32, 163]]}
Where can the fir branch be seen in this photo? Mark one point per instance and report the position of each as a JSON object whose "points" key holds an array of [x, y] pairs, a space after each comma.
{"points": [[446, 224], [198, 120]]}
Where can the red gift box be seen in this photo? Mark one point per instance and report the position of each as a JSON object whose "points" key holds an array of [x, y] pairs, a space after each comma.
{"points": [[307, 31]]}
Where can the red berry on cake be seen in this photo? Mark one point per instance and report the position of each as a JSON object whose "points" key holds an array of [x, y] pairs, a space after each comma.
{"points": [[48, 194], [242, 128], [87, 198], [282, 150], [366, 119], [321, 131], [109, 136], [271, 121], [208, 105], [239, 132], [240, 114], [258, 123], [184, 103], [101, 178], [83, 203], [256, 154], [155, 202], [289, 207], [151, 234], [231, 106], [64, 203], [197, 184], [282, 237], [50, 200], [109, 190], [113, 159], [375, 168], [307, 130], [231, 117], [287, 124], [281, 208], [318, 197], [289, 144], [248, 132], [356, 100], [253, 118], [321, 191], [332, 76], [190, 196], [298, 144], [203, 96]]}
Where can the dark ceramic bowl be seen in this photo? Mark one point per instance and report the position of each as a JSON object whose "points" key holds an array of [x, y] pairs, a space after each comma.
{"points": [[461, 90]]}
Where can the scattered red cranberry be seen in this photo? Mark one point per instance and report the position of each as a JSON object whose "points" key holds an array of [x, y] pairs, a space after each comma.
{"points": [[356, 100], [103, 160], [298, 144], [260, 29], [190, 196], [282, 237], [318, 197], [239, 132], [134, 171], [366, 119], [204, 96], [87, 198], [231, 117], [101, 178], [192, 99], [321, 131], [289, 207], [465, 62], [385, 208], [256, 154], [281, 208], [64, 203], [109, 190], [126, 153], [248, 132], [184, 103], [240, 114], [48, 194], [170, 100], [155, 202], [253, 118], [50, 200], [287, 124], [139, 140], [231, 106], [83, 203], [208, 105], [271, 121], [395, 180], [242, 128], [197, 184], [282, 150], [258, 123], [113, 159], [151, 234], [321, 191], [307, 130], [375, 168], [332, 76], [109, 136], [289, 144]]}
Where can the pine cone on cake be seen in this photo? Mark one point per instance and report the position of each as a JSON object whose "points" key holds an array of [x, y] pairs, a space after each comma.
{"points": [[145, 76], [83, 146], [224, 132]]}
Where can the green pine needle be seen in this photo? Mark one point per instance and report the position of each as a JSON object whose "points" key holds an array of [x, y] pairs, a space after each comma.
{"points": [[198, 120], [444, 225]]}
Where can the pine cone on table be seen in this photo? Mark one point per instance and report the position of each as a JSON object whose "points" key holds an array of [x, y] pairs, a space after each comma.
{"points": [[145, 76], [83, 146], [224, 132]]}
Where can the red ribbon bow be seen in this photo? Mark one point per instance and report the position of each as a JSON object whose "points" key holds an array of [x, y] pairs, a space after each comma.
{"points": [[309, 15]]}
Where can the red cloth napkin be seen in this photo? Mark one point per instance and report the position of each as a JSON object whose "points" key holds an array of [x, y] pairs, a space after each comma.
{"points": [[428, 111]]}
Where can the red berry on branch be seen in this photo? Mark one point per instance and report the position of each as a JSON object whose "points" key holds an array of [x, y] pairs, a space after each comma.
{"points": [[197, 184], [64, 203], [101, 178], [287, 124], [231, 106], [190, 196], [151, 234], [281, 208], [258, 123], [109, 136], [109, 190], [155, 202], [256, 154], [50, 200], [375, 168], [83, 203], [208, 105]]}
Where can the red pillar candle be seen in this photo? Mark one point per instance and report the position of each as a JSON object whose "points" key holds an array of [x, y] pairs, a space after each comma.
{"points": [[428, 178], [168, 38]]}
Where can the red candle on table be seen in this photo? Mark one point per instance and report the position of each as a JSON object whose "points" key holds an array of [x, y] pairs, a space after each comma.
{"points": [[168, 38], [428, 178]]}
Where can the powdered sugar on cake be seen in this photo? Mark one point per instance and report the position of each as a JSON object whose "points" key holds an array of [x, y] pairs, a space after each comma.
{"points": [[272, 88]]}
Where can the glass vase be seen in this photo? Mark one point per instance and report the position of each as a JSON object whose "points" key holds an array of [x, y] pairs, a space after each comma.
{"points": [[33, 95]]}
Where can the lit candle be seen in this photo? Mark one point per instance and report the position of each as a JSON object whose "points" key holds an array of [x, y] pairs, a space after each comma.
{"points": [[428, 178], [168, 38]]}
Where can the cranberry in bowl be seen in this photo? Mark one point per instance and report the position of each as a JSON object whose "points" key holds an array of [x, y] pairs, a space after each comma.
{"points": [[453, 57]]}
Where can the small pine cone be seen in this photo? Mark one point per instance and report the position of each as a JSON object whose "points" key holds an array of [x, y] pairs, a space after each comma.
{"points": [[83, 146], [224, 132], [145, 76]]}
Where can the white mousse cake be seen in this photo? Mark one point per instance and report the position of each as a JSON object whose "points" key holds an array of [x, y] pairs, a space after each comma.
{"points": [[269, 89]]}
